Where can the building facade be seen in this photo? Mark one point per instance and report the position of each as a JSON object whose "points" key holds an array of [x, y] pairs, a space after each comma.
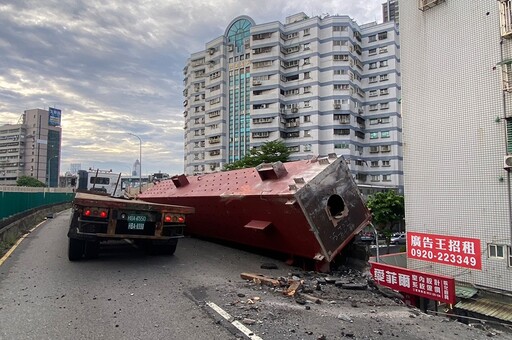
{"points": [[390, 11], [32, 148], [457, 106], [322, 85]]}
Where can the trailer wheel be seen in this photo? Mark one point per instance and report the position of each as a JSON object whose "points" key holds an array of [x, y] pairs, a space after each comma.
{"points": [[170, 248], [92, 249], [159, 248], [75, 249]]}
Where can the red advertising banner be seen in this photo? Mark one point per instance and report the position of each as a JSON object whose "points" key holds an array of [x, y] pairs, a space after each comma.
{"points": [[452, 250], [431, 286]]}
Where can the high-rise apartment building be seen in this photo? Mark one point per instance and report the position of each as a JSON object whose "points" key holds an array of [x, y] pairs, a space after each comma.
{"points": [[457, 103], [390, 11], [32, 148], [322, 85]]}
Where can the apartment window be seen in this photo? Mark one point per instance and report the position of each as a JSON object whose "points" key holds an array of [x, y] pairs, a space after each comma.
{"points": [[375, 178], [372, 51], [339, 43], [383, 77], [383, 35], [339, 28], [359, 134], [496, 251], [372, 79], [384, 106], [340, 57], [343, 119], [385, 148], [510, 256], [372, 107], [386, 178], [383, 50], [385, 163], [306, 103], [383, 63], [374, 135], [307, 75], [372, 38], [373, 66], [339, 87], [342, 132], [374, 149], [372, 93], [307, 147], [341, 146], [384, 134], [307, 133], [339, 72], [384, 92], [306, 31], [307, 119], [374, 164]]}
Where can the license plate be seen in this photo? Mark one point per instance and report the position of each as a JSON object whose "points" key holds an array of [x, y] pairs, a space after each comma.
{"points": [[136, 222]]}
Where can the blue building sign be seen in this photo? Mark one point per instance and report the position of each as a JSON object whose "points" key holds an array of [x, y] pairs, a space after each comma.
{"points": [[54, 117]]}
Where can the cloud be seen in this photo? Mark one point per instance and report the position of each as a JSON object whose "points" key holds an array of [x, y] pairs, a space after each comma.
{"points": [[115, 68]]}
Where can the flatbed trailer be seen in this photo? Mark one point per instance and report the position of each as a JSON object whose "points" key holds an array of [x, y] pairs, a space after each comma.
{"points": [[97, 218]]}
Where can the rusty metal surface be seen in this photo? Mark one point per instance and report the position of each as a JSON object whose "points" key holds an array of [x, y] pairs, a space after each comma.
{"points": [[308, 208]]}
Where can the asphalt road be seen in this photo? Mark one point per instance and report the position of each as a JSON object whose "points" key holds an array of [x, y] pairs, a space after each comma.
{"points": [[195, 294]]}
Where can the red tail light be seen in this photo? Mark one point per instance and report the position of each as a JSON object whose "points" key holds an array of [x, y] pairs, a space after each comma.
{"points": [[87, 212], [167, 218], [103, 214], [174, 219], [181, 219]]}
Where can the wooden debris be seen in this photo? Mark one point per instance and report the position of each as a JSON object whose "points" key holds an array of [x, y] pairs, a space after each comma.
{"points": [[292, 288], [260, 279]]}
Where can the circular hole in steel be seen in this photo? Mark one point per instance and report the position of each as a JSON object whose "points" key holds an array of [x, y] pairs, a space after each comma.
{"points": [[336, 206]]}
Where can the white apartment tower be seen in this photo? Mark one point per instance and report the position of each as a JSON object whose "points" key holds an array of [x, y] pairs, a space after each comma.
{"points": [[457, 107], [322, 85], [32, 148]]}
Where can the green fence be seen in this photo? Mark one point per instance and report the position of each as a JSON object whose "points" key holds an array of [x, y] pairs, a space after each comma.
{"points": [[12, 203]]}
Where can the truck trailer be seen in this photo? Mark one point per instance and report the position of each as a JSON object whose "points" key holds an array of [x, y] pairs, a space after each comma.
{"points": [[99, 217]]}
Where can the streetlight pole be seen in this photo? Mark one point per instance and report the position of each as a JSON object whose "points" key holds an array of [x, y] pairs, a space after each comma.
{"points": [[140, 160]]}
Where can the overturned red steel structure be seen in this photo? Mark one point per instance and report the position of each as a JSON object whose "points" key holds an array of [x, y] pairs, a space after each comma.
{"points": [[308, 208]]}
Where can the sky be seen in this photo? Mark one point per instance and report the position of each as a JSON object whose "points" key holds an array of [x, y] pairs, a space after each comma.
{"points": [[115, 68]]}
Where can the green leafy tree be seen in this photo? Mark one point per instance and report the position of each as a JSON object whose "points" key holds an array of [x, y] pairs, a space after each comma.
{"points": [[27, 181], [387, 208], [269, 152]]}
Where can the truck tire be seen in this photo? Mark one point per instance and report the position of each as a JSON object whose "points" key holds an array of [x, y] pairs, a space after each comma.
{"points": [[92, 249], [75, 249], [159, 248]]}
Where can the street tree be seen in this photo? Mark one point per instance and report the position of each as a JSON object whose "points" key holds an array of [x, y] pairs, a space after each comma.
{"points": [[387, 209], [27, 181], [269, 152]]}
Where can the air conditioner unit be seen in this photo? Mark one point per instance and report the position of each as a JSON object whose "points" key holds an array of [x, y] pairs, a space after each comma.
{"points": [[211, 51], [230, 48], [507, 162], [337, 106], [256, 82], [295, 109]]}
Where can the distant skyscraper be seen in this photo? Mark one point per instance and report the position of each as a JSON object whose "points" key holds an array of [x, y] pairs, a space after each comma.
{"points": [[390, 11], [136, 168]]}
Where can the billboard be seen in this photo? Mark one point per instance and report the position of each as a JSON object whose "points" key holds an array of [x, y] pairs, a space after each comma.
{"points": [[451, 250], [431, 286], [54, 116]]}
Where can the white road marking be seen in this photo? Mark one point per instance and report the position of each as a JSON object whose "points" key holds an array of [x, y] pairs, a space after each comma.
{"points": [[250, 334]]}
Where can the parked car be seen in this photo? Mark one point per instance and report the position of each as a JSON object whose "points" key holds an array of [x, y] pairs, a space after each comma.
{"points": [[367, 237], [398, 238]]}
